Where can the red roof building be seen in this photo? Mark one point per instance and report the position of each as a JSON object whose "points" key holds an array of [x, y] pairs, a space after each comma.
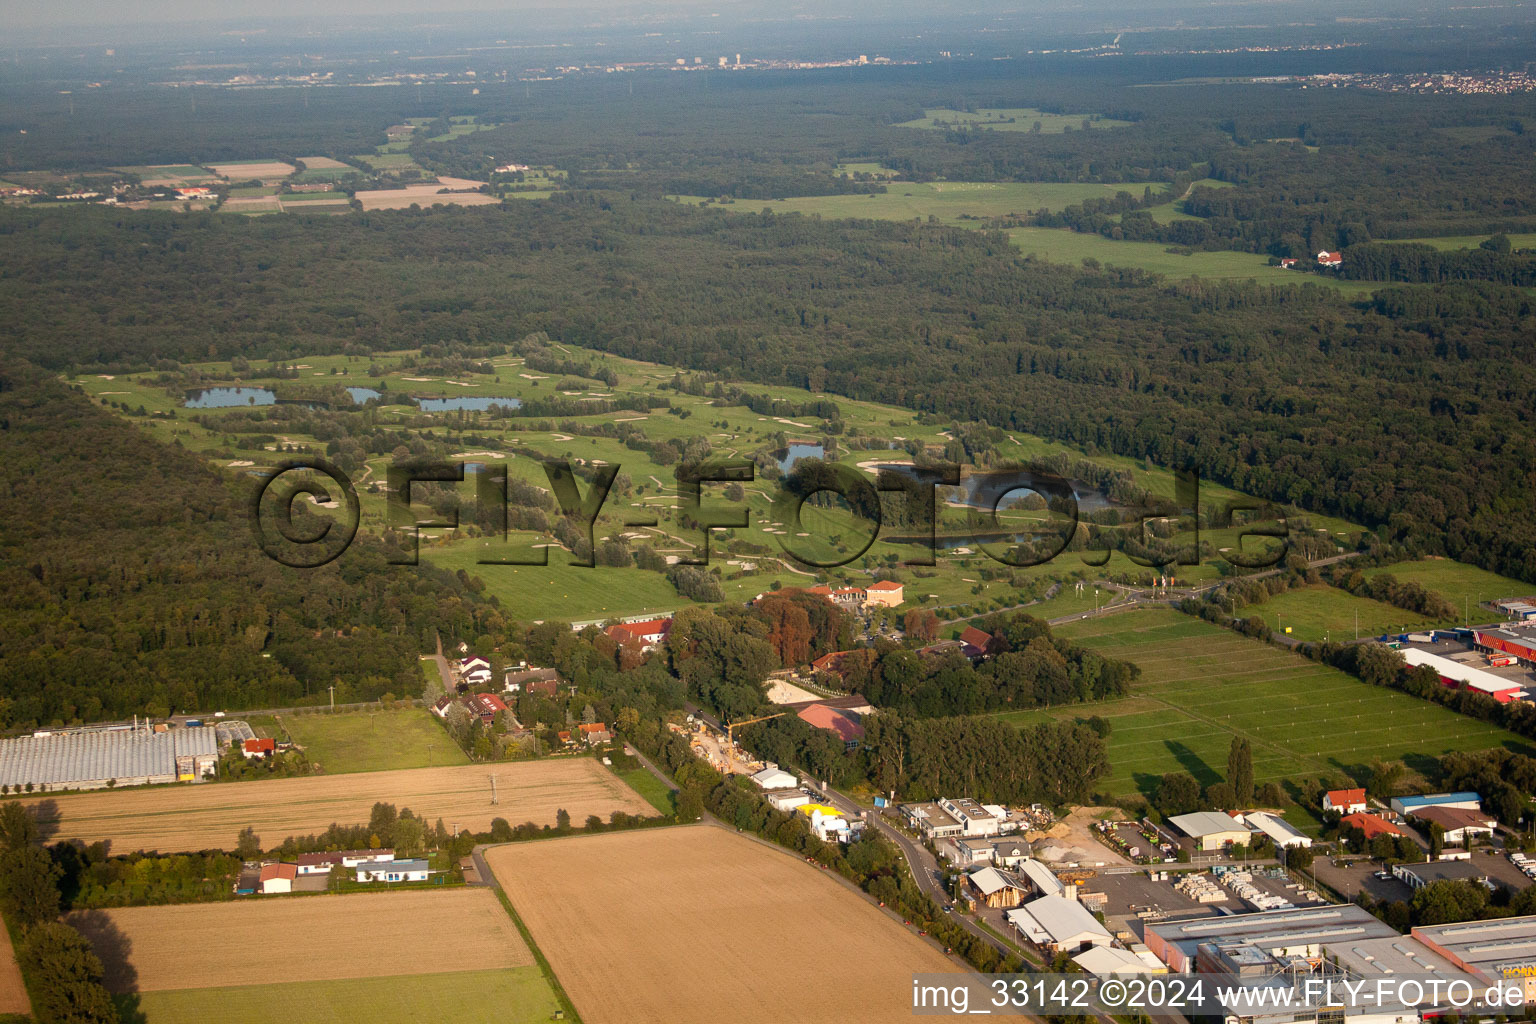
{"points": [[1330, 259], [485, 705], [648, 633], [259, 748], [1345, 801], [1371, 825], [822, 717], [832, 662], [978, 642]]}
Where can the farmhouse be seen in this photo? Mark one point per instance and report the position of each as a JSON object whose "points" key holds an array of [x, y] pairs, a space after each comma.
{"points": [[1370, 825], [393, 871], [993, 887], [1459, 823], [256, 749], [822, 717], [886, 593], [278, 878], [1344, 801], [1057, 924], [1211, 830], [648, 633], [1288, 263], [1408, 805], [1330, 259], [96, 758], [1467, 677]]}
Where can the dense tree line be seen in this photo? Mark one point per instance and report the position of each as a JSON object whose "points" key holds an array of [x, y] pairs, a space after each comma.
{"points": [[133, 583], [1416, 263]]}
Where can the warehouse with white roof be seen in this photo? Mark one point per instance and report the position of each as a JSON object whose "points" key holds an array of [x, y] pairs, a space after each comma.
{"points": [[95, 759]]}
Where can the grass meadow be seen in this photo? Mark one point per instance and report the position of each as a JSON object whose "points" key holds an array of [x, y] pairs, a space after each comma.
{"points": [[1201, 685], [370, 741]]}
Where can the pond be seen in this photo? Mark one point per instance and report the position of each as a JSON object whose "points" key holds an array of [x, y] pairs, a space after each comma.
{"points": [[477, 403], [229, 397], [795, 452], [362, 395]]}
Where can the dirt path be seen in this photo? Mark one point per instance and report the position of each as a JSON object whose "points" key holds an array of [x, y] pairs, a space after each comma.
{"points": [[13, 994]]}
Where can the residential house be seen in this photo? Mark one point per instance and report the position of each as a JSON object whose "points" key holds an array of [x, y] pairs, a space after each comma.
{"points": [[278, 878], [441, 705], [485, 706], [1330, 259], [976, 643], [475, 672], [594, 733], [1344, 801], [257, 749], [394, 871]]}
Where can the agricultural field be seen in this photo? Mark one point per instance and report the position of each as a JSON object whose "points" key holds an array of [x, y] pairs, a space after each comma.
{"points": [[956, 203], [371, 741], [464, 961], [1327, 613], [178, 175], [243, 169], [702, 924], [1010, 119], [209, 815], [1465, 586], [1201, 685], [323, 163], [1062, 245], [420, 195], [13, 994]]}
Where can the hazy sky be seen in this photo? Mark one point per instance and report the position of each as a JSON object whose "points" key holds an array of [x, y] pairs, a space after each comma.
{"points": [[50, 13]]}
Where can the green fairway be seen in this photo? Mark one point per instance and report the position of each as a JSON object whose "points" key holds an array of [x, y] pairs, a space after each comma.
{"points": [[516, 995], [1061, 245], [1327, 613], [1465, 586], [1201, 685], [649, 786], [370, 741], [1010, 119]]}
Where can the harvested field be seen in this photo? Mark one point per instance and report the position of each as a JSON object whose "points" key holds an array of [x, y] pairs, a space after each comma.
{"points": [[209, 815], [324, 938], [13, 994], [253, 169], [700, 924], [253, 204], [322, 163], [421, 195]]}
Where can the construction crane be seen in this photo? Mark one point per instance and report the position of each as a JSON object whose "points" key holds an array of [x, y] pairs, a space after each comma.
{"points": [[730, 738], [730, 730]]}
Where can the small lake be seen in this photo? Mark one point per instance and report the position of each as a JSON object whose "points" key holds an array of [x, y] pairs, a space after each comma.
{"points": [[362, 395], [478, 403], [982, 490], [229, 398], [795, 452]]}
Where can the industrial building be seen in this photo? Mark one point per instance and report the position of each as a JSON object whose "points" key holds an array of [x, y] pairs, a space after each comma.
{"points": [[1211, 830], [1284, 834], [1517, 641], [1302, 932], [1467, 677], [1058, 924], [1503, 949], [118, 756], [1458, 823], [1408, 805], [1114, 962]]}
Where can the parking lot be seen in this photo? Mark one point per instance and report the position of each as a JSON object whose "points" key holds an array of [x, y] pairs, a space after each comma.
{"points": [[1361, 873]]}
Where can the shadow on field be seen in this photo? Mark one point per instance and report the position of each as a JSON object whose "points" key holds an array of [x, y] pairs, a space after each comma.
{"points": [[47, 816], [112, 946], [1192, 763]]}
